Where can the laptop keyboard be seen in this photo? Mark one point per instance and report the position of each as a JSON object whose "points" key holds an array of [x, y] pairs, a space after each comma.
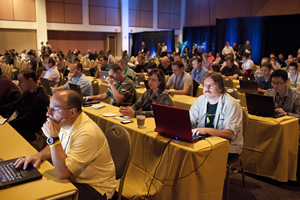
{"points": [[8, 172]]}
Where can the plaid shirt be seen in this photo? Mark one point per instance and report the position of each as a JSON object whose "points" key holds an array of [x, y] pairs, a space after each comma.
{"points": [[160, 97], [126, 88], [290, 103]]}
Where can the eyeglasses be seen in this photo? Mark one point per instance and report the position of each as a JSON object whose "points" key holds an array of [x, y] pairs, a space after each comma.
{"points": [[53, 109], [277, 83], [211, 86]]}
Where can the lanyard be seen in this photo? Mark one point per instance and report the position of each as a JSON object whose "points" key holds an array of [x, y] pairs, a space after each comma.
{"points": [[178, 81]]}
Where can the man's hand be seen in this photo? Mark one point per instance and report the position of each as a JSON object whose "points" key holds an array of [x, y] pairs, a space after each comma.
{"points": [[35, 160], [99, 67], [110, 80], [70, 76], [280, 110], [51, 128], [199, 131]]}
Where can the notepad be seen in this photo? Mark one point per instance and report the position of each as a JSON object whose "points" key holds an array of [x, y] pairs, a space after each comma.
{"points": [[96, 107]]}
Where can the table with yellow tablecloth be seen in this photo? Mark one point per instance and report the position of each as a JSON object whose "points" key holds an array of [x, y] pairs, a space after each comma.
{"points": [[271, 147], [186, 170], [13, 145]]}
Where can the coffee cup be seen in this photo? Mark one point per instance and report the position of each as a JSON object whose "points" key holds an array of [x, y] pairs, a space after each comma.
{"points": [[172, 92], [140, 121], [142, 84], [238, 88], [240, 77]]}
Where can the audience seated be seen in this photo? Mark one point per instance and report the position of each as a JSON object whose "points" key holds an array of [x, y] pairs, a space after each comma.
{"points": [[286, 100], [258, 72], [294, 75], [275, 64], [122, 93], [109, 57], [29, 111], [52, 73], [155, 94], [210, 57], [76, 76], [151, 66], [218, 59], [148, 56], [8, 59], [102, 65], [216, 113], [9, 92], [79, 150], [227, 49], [264, 81], [247, 63], [182, 81], [230, 70], [128, 71], [61, 64], [206, 63], [142, 66], [198, 73], [165, 66]]}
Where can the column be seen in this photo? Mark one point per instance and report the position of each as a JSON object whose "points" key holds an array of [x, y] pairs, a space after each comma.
{"points": [[41, 23], [182, 20], [124, 25]]}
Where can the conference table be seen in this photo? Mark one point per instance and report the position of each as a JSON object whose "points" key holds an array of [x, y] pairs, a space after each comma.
{"points": [[184, 170], [13, 145], [271, 147]]}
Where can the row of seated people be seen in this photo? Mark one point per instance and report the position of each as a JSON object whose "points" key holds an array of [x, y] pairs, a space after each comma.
{"points": [[65, 118]]}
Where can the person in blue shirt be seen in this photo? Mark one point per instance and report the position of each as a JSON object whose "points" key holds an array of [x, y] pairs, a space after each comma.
{"points": [[198, 73]]}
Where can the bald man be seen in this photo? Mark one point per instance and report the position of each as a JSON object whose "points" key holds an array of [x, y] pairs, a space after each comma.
{"points": [[166, 66], [78, 148]]}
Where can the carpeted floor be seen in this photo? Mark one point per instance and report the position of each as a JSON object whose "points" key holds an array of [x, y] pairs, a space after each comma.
{"points": [[260, 188]]}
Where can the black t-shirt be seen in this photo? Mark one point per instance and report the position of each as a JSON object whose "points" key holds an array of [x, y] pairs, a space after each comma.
{"points": [[210, 115], [139, 68], [230, 71], [167, 71]]}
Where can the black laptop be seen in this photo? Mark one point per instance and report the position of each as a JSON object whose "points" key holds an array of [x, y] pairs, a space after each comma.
{"points": [[10, 176], [78, 90], [174, 122], [248, 78], [46, 86], [261, 105], [248, 87]]}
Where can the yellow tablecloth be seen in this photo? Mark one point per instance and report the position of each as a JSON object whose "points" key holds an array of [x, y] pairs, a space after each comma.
{"points": [[13, 145], [175, 172], [271, 147]]}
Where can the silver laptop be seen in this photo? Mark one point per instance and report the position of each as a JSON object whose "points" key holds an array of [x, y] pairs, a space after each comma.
{"points": [[103, 75]]}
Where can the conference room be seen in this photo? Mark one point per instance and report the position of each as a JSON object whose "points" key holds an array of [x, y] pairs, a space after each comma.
{"points": [[84, 36]]}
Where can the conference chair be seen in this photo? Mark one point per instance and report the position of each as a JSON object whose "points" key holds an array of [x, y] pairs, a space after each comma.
{"points": [[228, 82], [229, 164], [95, 86], [232, 93], [195, 88], [119, 142]]}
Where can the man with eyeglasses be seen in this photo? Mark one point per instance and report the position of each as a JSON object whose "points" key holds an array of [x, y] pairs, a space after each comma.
{"points": [[216, 113], [77, 147], [122, 92], [287, 100], [76, 76], [28, 113]]}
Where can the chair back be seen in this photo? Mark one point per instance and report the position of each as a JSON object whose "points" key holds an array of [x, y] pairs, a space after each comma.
{"points": [[228, 82], [95, 86], [195, 88], [245, 120], [172, 102], [119, 142], [232, 93]]}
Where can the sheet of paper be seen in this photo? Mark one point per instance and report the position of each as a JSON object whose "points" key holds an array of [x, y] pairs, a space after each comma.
{"points": [[122, 117], [96, 107], [2, 121]]}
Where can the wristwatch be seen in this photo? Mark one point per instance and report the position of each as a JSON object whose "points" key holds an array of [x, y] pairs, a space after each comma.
{"points": [[52, 140]]}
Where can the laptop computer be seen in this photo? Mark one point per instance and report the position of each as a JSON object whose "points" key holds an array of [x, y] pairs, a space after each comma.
{"points": [[261, 105], [77, 89], [10, 176], [248, 86], [103, 75], [174, 122], [146, 84], [248, 78], [46, 86]]}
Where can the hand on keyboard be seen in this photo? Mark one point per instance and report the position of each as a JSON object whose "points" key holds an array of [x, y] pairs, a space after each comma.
{"points": [[199, 131]]}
